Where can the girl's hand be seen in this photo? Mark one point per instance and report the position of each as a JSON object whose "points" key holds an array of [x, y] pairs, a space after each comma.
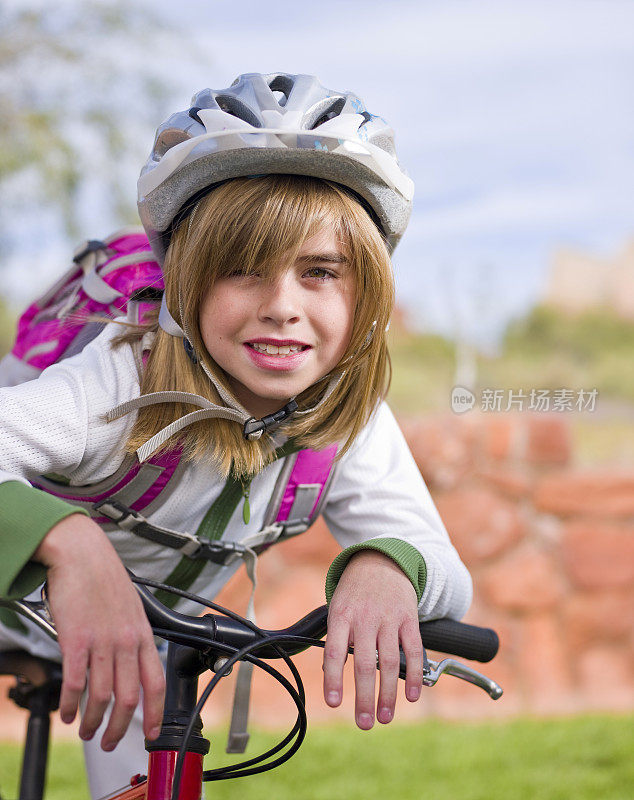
{"points": [[373, 608], [102, 627]]}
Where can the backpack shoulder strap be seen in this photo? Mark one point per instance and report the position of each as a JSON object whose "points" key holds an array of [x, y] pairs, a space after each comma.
{"points": [[133, 485], [301, 489], [298, 497]]}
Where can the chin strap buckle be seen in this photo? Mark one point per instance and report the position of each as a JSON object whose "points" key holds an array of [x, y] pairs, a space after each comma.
{"points": [[254, 428]]}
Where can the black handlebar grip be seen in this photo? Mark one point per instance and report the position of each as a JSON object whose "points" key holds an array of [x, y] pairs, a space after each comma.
{"points": [[460, 639]]}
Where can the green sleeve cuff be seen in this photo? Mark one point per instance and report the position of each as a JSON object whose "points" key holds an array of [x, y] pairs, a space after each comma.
{"points": [[405, 555], [28, 514]]}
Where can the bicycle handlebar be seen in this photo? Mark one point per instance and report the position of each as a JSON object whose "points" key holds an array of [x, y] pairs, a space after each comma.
{"points": [[449, 636], [446, 635], [460, 639]]}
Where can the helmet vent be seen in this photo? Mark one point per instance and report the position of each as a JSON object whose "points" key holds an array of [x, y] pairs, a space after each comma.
{"points": [[168, 139], [232, 105], [332, 110], [281, 86]]}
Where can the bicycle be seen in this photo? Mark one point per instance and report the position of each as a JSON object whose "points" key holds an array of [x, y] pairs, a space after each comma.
{"points": [[212, 642]]}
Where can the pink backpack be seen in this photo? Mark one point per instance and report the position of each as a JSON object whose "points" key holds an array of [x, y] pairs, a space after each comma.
{"points": [[114, 277], [119, 277]]}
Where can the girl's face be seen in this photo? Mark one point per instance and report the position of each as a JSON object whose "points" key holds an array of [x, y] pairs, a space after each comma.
{"points": [[276, 338]]}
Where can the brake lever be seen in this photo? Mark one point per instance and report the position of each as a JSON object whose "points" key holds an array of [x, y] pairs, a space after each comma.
{"points": [[37, 611], [466, 673]]}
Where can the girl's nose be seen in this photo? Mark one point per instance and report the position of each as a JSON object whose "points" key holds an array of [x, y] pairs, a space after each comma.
{"points": [[280, 300]]}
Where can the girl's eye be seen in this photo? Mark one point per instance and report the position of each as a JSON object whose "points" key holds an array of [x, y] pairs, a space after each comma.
{"points": [[320, 273]]}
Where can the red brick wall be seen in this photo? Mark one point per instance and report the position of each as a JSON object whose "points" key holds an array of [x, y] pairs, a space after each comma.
{"points": [[551, 551]]}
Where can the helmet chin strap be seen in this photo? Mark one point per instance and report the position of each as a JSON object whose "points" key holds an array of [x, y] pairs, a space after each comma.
{"points": [[225, 396]]}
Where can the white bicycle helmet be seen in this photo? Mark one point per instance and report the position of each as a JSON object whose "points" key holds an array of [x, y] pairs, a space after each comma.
{"points": [[267, 124]]}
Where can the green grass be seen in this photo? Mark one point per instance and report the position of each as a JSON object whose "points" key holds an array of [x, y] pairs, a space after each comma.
{"points": [[584, 758]]}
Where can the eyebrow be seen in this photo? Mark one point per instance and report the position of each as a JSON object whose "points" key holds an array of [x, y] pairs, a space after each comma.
{"points": [[313, 258]]}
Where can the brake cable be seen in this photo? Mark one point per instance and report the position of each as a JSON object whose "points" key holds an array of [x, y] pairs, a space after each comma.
{"points": [[238, 770], [298, 731]]}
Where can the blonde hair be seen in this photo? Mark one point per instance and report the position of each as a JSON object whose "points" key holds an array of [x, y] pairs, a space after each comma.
{"points": [[259, 223]]}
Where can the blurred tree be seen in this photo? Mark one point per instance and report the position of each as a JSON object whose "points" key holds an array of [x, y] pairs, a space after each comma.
{"points": [[585, 336], [82, 88]]}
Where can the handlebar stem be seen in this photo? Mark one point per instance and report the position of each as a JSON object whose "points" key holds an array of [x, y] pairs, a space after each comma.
{"points": [[184, 665]]}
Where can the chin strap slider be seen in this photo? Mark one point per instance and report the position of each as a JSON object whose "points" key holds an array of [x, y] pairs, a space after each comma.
{"points": [[254, 428]]}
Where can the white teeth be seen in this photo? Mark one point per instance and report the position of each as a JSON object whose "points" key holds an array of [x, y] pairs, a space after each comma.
{"points": [[274, 350]]}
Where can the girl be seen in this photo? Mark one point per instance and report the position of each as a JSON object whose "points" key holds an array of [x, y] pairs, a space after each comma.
{"points": [[273, 206]]}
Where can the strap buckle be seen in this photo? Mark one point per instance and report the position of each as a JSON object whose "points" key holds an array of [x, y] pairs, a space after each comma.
{"points": [[219, 552], [254, 428], [119, 513], [89, 246], [265, 537]]}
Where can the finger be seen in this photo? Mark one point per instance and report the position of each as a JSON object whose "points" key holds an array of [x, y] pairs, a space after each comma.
{"points": [[74, 668], [364, 678], [126, 697], [153, 683], [335, 656], [413, 649], [100, 677], [389, 662]]}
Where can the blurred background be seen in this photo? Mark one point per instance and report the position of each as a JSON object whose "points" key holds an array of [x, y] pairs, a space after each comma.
{"points": [[515, 283]]}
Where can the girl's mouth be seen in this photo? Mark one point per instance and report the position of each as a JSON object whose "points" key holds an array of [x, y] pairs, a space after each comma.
{"points": [[277, 350], [280, 356]]}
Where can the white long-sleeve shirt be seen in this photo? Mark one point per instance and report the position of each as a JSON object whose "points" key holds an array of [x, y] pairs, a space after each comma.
{"points": [[55, 424]]}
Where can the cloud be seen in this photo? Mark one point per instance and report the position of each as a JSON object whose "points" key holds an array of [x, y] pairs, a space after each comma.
{"points": [[514, 119], [537, 208]]}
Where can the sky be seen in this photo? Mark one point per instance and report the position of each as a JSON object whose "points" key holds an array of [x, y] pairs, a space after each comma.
{"points": [[515, 119]]}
